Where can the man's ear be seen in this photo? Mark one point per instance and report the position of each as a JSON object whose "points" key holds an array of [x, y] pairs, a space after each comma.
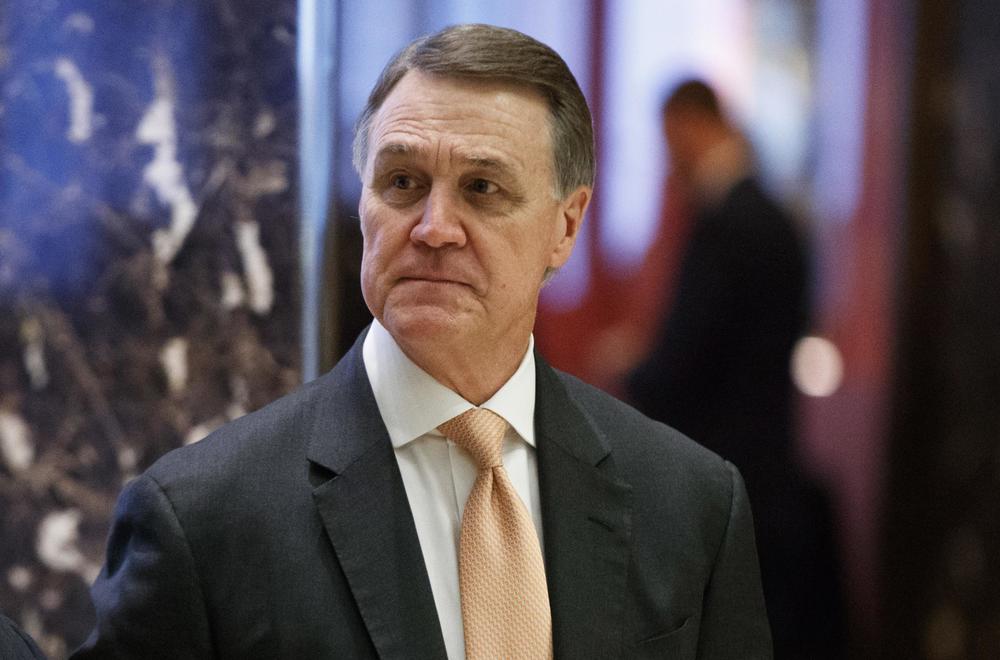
{"points": [[571, 212]]}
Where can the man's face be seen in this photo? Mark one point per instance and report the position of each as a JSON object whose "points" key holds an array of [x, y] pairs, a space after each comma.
{"points": [[459, 214], [679, 127]]}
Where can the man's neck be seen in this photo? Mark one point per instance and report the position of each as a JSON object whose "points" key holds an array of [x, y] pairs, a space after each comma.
{"points": [[476, 375]]}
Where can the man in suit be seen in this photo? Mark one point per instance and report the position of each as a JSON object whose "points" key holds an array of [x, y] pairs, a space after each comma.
{"points": [[720, 368], [332, 522]]}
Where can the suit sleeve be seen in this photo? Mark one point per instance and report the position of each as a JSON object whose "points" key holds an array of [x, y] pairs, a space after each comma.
{"points": [[147, 598], [734, 619]]}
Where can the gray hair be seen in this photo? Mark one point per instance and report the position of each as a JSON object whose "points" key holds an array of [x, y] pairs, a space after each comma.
{"points": [[487, 52]]}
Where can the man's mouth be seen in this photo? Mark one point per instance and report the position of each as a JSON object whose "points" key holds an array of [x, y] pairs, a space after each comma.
{"points": [[432, 279]]}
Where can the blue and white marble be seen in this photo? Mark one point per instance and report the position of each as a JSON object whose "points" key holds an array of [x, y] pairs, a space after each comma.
{"points": [[148, 262]]}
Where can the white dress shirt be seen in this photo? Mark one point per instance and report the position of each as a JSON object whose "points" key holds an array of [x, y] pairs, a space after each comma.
{"points": [[437, 474]]}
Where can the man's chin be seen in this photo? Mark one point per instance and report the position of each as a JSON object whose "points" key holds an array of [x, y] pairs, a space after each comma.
{"points": [[415, 323]]}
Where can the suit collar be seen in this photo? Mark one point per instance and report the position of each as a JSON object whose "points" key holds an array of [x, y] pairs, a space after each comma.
{"points": [[362, 502], [586, 516], [347, 403]]}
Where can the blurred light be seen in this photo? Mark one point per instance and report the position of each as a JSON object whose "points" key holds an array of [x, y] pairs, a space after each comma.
{"points": [[817, 366]]}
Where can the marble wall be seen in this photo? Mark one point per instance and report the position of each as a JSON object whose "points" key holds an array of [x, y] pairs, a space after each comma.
{"points": [[149, 286]]}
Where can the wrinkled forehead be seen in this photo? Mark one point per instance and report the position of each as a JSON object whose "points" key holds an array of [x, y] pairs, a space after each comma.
{"points": [[420, 90], [425, 110]]}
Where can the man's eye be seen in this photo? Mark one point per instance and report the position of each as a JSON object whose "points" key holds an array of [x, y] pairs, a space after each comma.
{"points": [[402, 182], [483, 187]]}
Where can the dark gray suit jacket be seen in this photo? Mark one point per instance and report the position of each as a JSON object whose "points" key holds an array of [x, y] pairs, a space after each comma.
{"points": [[288, 534], [15, 644]]}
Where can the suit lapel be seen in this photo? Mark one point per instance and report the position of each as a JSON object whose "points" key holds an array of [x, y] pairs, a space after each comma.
{"points": [[362, 501], [586, 519]]}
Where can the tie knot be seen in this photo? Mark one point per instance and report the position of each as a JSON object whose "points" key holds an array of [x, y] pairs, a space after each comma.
{"points": [[480, 432]]}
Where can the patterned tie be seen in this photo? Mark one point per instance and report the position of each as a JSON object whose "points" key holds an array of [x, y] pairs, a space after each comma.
{"points": [[505, 601]]}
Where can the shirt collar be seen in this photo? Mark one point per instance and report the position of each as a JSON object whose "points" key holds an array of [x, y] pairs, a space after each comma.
{"points": [[412, 403]]}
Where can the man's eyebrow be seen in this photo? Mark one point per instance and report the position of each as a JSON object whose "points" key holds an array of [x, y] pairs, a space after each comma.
{"points": [[498, 166], [393, 149]]}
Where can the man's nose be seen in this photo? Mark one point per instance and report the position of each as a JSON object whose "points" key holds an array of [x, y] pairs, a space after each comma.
{"points": [[440, 223]]}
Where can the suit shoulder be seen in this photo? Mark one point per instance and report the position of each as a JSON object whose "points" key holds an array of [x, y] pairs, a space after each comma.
{"points": [[256, 442], [672, 477], [638, 438]]}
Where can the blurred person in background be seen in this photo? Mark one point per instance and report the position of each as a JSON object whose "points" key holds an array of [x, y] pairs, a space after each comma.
{"points": [[718, 369]]}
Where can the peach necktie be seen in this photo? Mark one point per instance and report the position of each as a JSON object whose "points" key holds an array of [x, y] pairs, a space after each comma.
{"points": [[505, 601]]}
